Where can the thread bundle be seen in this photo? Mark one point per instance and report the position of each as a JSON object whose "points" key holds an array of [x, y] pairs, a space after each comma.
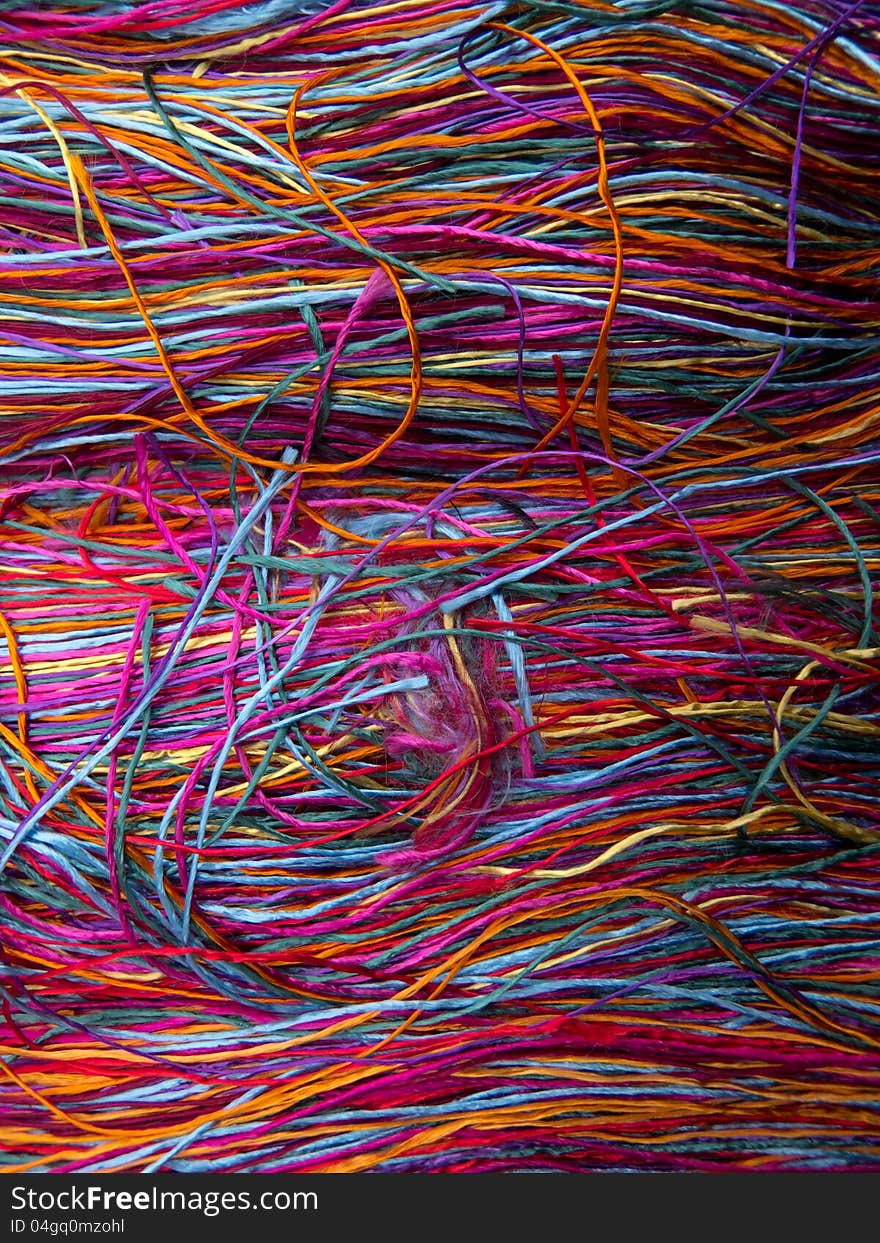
{"points": [[440, 508]]}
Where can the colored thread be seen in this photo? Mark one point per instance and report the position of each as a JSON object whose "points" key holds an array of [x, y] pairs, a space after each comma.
{"points": [[438, 648]]}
